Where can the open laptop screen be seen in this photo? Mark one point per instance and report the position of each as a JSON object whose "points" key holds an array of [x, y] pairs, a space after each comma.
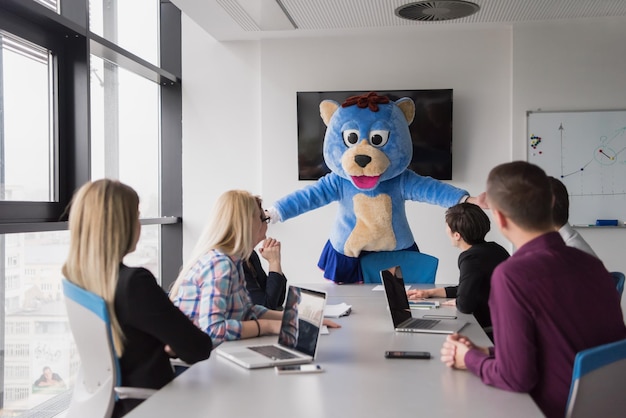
{"points": [[396, 295], [302, 318]]}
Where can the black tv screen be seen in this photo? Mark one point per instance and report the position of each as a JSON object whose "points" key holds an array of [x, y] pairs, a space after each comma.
{"points": [[431, 131]]}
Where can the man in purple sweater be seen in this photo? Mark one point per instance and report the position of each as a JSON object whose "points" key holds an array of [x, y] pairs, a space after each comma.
{"points": [[540, 298]]}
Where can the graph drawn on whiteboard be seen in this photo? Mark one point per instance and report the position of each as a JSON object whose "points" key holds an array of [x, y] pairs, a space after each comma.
{"points": [[587, 152]]}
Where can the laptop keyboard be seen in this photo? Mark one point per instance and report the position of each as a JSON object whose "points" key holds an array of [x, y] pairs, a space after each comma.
{"points": [[422, 323], [273, 352]]}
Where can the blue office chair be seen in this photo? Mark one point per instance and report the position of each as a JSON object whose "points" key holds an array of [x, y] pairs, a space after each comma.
{"points": [[597, 389], [618, 276], [98, 383], [416, 267]]}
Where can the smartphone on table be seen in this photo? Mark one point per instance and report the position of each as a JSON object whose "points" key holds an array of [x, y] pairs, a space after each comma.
{"points": [[422, 355], [299, 368]]}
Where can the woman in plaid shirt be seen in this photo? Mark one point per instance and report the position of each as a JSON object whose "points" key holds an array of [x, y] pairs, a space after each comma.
{"points": [[211, 287]]}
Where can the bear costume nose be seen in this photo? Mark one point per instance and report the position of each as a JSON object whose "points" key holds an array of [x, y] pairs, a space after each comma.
{"points": [[362, 160]]}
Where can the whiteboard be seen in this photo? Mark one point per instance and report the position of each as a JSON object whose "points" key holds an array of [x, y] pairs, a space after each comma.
{"points": [[586, 150]]}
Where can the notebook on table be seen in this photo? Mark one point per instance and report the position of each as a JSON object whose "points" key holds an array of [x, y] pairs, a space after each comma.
{"points": [[401, 316], [298, 338]]}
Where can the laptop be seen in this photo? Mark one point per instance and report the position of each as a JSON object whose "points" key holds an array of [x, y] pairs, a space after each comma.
{"points": [[403, 320], [298, 338]]}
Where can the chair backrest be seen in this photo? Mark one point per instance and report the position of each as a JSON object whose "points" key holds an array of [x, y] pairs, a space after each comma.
{"points": [[597, 388], [89, 320], [618, 276], [416, 267]]}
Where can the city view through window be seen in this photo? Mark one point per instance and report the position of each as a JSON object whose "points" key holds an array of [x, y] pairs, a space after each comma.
{"points": [[36, 331], [40, 362]]}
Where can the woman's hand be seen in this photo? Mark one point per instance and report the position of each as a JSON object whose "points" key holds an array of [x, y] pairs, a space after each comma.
{"points": [[169, 351], [269, 326], [270, 250], [416, 294], [330, 324]]}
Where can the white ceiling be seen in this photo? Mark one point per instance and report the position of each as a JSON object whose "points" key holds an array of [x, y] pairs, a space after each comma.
{"points": [[229, 20]]}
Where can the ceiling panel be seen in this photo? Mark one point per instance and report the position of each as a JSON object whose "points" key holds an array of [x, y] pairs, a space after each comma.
{"points": [[228, 19]]}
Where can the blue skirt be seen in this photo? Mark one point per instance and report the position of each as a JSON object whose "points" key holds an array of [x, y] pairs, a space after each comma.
{"points": [[343, 269]]}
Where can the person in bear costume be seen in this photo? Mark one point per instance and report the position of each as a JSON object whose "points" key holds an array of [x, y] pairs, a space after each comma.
{"points": [[368, 148]]}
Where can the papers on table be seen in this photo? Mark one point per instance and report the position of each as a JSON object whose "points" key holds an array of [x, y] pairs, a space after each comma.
{"points": [[423, 304], [335, 311]]}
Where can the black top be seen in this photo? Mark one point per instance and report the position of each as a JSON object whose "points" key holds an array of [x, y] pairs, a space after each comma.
{"points": [[149, 321], [475, 267], [267, 290]]}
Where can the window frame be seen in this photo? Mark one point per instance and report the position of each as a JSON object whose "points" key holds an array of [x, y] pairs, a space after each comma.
{"points": [[67, 35]]}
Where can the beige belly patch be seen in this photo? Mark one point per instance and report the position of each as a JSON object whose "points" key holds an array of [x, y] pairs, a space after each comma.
{"points": [[373, 231]]}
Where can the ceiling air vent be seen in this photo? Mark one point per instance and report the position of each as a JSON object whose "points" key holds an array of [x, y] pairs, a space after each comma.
{"points": [[432, 11]]}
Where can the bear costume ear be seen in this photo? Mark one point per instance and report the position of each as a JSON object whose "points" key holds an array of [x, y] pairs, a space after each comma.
{"points": [[327, 109], [408, 108]]}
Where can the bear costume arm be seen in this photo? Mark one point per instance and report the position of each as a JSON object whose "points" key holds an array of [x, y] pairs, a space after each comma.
{"points": [[316, 195]]}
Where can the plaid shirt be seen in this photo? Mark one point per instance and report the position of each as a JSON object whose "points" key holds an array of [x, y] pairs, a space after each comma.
{"points": [[214, 296]]}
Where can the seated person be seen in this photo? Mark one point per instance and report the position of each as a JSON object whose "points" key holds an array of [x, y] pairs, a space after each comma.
{"points": [[210, 288], [560, 217], [536, 298], [467, 225], [147, 328], [266, 289], [48, 379]]}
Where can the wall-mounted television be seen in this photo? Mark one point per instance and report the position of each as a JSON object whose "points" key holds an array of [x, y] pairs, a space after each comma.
{"points": [[431, 130]]}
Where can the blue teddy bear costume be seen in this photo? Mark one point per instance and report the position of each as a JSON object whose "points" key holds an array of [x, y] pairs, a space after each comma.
{"points": [[368, 148]]}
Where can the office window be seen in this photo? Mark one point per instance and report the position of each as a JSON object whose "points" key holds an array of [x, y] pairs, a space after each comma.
{"points": [[36, 329], [27, 143], [50, 4], [16, 394], [102, 103], [125, 131], [146, 254], [118, 21]]}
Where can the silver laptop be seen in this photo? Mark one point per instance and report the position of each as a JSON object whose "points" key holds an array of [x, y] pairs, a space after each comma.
{"points": [[298, 337], [403, 320]]}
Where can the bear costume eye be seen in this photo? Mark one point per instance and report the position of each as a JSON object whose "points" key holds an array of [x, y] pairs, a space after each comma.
{"points": [[350, 137], [379, 138]]}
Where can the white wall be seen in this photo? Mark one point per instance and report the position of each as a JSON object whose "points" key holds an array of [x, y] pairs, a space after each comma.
{"points": [[571, 66], [239, 107], [221, 124]]}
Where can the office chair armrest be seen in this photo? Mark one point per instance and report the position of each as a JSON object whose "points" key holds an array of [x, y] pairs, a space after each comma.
{"points": [[124, 392]]}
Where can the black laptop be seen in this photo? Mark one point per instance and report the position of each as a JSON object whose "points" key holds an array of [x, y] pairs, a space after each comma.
{"points": [[403, 320]]}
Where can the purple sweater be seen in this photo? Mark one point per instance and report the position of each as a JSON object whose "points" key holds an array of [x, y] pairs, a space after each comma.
{"points": [[548, 302]]}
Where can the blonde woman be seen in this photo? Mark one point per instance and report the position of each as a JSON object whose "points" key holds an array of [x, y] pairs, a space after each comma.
{"points": [[104, 227], [211, 288]]}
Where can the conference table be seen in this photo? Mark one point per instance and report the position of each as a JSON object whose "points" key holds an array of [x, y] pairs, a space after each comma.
{"points": [[358, 381]]}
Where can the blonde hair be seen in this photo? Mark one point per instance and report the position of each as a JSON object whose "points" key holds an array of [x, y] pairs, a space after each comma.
{"points": [[228, 230], [103, 225]]}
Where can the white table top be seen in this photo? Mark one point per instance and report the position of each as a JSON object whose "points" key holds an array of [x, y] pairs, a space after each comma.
{"points": [[357, 382]]}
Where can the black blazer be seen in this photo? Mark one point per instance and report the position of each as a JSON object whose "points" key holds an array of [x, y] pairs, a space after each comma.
{"points": [[149, 321], [475, 267], [267, 290]]}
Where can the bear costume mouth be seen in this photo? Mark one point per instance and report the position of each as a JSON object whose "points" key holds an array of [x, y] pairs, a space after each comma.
{"points": [[365, 182]]}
